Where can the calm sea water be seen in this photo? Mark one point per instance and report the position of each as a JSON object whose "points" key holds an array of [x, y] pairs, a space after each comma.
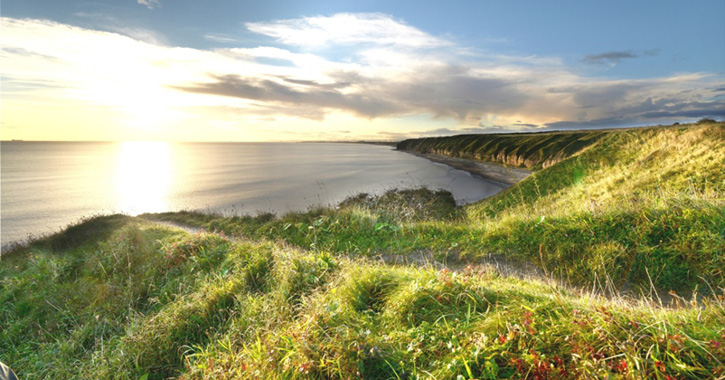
{"points": [[47, 185]]}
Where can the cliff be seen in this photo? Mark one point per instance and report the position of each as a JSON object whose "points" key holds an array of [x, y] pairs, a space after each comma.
{"points": [[527, 150]]}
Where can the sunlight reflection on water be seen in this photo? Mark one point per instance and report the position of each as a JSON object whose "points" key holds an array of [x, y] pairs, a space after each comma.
{"points": [[143, 176]]}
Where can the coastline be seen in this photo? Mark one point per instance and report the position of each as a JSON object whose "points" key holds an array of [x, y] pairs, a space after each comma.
{"points": [[489, 171]]}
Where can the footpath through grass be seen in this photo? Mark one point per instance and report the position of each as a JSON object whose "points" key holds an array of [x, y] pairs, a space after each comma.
{"points": [[640, 207], [303, 296], [151, 302]]}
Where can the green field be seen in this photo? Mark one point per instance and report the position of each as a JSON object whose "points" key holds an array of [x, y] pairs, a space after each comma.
{"points": [[626, 229]]}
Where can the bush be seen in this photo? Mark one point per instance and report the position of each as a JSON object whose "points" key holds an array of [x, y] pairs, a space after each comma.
{"points": [[706, 120]]}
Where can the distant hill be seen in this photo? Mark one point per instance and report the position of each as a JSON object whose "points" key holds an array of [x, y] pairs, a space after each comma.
{"points": [[530, 150]]}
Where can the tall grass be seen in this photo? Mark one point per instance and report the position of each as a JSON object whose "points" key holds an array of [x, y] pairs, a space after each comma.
{"points": [[309, 295], [204, 306], [639, 200]]}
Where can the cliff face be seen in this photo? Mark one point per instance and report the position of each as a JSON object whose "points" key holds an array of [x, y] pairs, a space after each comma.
{"points": [[533, 151]]}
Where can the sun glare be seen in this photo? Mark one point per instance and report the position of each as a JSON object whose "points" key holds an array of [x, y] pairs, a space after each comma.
{"points": [[143, 176]]}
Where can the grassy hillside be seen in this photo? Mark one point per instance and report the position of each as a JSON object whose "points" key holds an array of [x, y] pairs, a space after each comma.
{"points": [[638, 207], [530, 150], [638, 201], [306, 295], [145, 301]]}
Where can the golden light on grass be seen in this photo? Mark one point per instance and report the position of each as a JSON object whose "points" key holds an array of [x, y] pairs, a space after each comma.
{"points": [[143, 176]]}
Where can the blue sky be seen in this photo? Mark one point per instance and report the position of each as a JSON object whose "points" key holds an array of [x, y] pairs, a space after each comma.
{"points": [[258, 71]]}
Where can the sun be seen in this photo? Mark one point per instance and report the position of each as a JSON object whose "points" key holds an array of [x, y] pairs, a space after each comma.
{"points": [[143, 176]]}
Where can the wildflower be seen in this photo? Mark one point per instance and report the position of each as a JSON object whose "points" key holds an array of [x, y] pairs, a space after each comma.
{"points": [[502, 339], [306, 367], [660, 366], [622, 366]]}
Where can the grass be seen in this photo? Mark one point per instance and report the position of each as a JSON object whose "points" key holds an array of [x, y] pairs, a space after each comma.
{"points": [[530, 150], [153, 302], [306, 295], [638, 207], [639, 200]]}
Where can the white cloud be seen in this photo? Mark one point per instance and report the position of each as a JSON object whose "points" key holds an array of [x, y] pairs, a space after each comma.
{"points": [[224, 39], [109, 22], [150, 4], [140, 34], [346, 29], [139, 82]]}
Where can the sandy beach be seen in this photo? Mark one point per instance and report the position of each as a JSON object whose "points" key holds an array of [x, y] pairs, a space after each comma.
{"points": [[490, 171]]}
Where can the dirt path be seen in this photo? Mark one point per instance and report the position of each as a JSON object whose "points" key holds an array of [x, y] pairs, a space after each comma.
{"points": [[504, 266]]}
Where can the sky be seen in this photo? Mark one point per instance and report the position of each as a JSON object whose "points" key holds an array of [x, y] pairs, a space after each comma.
{"points": [[224, 70]]}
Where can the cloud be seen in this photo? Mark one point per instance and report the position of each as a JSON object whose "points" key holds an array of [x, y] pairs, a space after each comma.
{"points": [[609, 57], [443, 92], [397, 136], [140, 34], [224, 39], [150, 4], [641, 102], [346, 29], [379, 81], [710, 110], [109, 22], [313, 95], [19, 51], [589, 124], [447, 93], [615, 57], [312, 83], [647, 113]]}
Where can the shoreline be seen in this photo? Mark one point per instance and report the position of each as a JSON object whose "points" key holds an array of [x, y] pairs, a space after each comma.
{"points": [[489, 171]]}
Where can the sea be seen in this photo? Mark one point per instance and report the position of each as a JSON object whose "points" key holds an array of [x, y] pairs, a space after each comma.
{"points": [[45, 186]]}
